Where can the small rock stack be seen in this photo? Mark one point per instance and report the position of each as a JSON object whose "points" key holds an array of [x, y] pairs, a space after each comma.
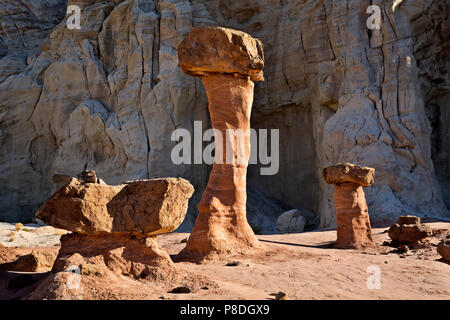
{"points": [[114, 227], [408, 231], [352, 214]]}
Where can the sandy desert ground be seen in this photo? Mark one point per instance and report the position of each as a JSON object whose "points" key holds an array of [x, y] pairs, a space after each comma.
{"points": [[304, 266]]}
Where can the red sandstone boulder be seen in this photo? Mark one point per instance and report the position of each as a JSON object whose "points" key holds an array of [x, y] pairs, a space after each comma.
{"points": [[7, 254], [408, 230]]}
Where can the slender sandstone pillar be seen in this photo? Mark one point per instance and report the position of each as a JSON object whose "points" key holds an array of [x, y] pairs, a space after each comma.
{"points": [[228, 61], [352, 215]]}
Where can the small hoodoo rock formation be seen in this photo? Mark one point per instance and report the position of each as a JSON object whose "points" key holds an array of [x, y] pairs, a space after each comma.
{"points": [[408, 231], [353, 230], [227, 61], [114, 229]]}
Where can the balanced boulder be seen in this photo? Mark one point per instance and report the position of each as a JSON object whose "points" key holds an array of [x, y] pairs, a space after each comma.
{"points": [[217, 50], [114, 231], [347, 172], [36, 261], [148, 207]]}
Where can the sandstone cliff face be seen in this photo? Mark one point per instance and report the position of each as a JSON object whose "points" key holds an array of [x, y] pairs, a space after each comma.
{"points": [[109, 96]]}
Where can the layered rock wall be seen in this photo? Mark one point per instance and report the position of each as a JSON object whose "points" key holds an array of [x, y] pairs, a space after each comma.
{"points": [[109, 96]]}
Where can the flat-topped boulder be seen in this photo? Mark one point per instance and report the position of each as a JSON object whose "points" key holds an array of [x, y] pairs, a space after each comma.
{"points": [[408, 220], [347, 172], [208, 50], [147, 207]]}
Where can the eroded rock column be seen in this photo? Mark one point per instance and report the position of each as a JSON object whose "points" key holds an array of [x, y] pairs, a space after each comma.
{"points": [[228, 61], [352, 214]]}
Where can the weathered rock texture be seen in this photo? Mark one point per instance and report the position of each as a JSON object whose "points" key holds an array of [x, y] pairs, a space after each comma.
{"points": [[89, 176], [352, 214], [137, 256], [408, 230], [221, 226], [102, 267], [443, 249], [148, 207], [36, 261], [347, 172], [7, 254], [109, 96]]}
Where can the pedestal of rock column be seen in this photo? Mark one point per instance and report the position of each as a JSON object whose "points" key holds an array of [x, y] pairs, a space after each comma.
{"points": [[228, 61], [352, 215]]}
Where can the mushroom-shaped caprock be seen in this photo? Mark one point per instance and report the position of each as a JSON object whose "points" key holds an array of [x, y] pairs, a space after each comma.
{"points": [[215, 50], [352, 215], [227, 61]]}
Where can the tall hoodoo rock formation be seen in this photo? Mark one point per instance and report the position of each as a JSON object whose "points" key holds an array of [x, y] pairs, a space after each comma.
{"points": [[352, 214], [228, 61]]}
